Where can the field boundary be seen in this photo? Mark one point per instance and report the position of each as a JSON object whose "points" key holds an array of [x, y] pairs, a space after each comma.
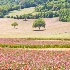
{"points": [[47, 49]]}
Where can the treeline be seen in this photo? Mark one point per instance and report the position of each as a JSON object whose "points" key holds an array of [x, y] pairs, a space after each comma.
{"points": [[45, 8], [62, 7], [9, 5], [53, 6], [5, 9], [64, 15], [49, 14]]}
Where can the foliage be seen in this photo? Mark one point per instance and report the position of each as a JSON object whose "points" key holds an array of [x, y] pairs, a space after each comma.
{"points": [[9, 5], [54, 6], [48, 14], [39, 23], [14, 24], [64, 15], [25, 16], [45, 8]]}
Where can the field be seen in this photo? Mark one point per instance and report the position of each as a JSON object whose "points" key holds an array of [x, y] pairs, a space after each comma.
{"points": [[26, 59], [22, 11], [27, 48], [55, 33], [54, 29]]}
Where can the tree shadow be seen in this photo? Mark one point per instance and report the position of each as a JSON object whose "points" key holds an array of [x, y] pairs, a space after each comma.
{"points": [[40, 30], [25, 20], [16, 28]]}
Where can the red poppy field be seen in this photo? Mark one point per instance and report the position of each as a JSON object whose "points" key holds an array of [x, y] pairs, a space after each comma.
{"points": [[41, 59]]}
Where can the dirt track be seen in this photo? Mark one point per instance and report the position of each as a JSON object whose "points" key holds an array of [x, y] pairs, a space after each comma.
{"points": [[31, 42]]}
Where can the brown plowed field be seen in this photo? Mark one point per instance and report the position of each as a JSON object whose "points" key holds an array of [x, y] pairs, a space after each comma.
{"points": [[31, 42]]}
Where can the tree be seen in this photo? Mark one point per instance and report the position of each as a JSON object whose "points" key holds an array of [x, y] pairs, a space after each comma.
{"points": [[25, 16], [14, 24], [64, 15], [39, 23]]}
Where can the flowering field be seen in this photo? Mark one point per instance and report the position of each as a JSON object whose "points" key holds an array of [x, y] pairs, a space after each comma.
{"points": [[26, 59]]}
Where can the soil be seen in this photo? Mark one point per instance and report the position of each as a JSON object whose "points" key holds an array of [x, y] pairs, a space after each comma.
{"points": [[24, 29], [32, 42]]}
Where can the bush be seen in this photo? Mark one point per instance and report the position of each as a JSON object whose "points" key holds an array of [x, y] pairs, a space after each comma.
{"points": [[8, 16], [11, 16], [56, 14]]}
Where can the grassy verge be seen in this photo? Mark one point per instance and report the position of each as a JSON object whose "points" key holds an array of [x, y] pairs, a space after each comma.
{"points": [[47, 39], [34, 46], [37, 37]]}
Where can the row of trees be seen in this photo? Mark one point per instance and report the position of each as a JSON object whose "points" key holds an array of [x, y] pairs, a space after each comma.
{"points": [[9, 5], [64, 15], [45, 8], [49, 14]]}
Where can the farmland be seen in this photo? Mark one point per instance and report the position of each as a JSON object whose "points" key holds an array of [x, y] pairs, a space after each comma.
{"points": [[27, 44], [53, 35], [26, 59], [54, 29]]}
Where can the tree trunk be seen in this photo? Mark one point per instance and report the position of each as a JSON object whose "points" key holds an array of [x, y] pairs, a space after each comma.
{"points": [[14, 26], [39, 28], [25, 18]]}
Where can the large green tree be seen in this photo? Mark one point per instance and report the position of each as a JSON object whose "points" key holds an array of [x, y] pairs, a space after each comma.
{"points": [[39, 23]]}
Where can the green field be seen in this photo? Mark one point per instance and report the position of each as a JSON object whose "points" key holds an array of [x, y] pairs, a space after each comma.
{"points": [[22, 11]]}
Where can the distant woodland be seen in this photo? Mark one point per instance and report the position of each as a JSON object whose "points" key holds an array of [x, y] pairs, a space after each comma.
{"points": [[46, 8]]}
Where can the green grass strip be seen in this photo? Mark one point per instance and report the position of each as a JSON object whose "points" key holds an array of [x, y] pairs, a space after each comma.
{"points": [[47, 39], [34, 46]]}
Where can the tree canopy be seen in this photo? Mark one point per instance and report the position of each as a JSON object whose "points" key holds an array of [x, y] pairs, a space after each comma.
{"points": [[45, 8], [39, 23], [14, 24]]}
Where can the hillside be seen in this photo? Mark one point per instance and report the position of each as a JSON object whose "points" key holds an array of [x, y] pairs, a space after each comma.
{"points": [[21, 12], [54, 29], [44, 9]]}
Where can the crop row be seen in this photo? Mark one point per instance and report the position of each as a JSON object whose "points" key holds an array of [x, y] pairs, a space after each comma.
{"points": [[34, 46]]}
